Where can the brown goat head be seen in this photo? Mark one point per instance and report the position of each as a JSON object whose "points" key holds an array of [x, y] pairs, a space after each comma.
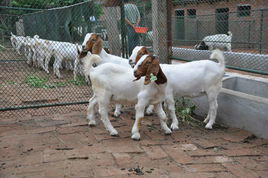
{"points": [[149, 67], [140, 53], [94, 44]]}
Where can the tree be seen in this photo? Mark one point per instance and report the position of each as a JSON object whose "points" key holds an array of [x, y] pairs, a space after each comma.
{"points": [[43, 4]]}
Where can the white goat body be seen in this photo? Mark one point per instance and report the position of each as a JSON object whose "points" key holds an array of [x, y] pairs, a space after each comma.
{"points": [[113, 81], [17, 42], [106, 58], [218, 41], [193, 79]]}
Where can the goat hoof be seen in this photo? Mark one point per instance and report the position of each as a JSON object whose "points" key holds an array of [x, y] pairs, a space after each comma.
{"points": [[136, 136], [148, 114], [92, 123], [116, 114], [208, 126], [114, 133], [168, 132], [174, 127], [206, 120]]}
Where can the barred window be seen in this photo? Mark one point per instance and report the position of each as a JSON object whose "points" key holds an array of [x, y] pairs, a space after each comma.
{"points": [[191, 13], [243, 10]]}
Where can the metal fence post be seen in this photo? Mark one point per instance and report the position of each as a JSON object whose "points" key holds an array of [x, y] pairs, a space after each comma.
{"points": [[112, 29], [169, 31], [159, 17], [261, 29], [123, 31]]}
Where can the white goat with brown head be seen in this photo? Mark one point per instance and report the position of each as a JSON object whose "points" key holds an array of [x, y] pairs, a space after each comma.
{"points": [[93, 43], [190, 79], [115, 82]]}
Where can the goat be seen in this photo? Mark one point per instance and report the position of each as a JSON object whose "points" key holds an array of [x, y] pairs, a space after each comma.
{"points": [[220, 41], [107, 81], [94, 44], [17, 42], [191, 79]]}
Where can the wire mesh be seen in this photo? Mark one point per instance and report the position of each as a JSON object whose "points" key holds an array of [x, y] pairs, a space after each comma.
{"points": [[239, 28], [37, 61]]}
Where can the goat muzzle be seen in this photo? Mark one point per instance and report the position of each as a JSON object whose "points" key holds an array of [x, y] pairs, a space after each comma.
{"points": [[132, 64]]}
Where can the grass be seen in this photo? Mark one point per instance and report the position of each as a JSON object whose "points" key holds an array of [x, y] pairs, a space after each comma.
{"points": [[80, 81], [35, 81], [41, 82]]}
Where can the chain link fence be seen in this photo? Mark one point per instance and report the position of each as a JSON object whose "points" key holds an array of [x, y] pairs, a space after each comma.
{"points": [[238, 28], [35, 34], [38, 51]]}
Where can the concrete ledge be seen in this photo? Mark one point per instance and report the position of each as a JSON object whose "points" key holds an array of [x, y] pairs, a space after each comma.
{"points": [[245, 108], [243, 60]]}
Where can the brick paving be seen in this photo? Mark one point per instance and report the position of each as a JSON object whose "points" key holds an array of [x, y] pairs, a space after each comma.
{"points": [[62, 145]]}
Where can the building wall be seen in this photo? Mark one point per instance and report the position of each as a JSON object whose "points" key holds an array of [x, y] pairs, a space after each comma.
{"points": [[245, 29]]}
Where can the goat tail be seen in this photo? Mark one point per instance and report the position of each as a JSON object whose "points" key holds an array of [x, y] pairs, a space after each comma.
{"points": [[229, 33], [218, 55], [89, 61]]}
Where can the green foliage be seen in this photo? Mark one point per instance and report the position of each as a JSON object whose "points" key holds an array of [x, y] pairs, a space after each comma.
{"points": [[43, 4], [39, 82], [184, 109], [80, 81], [35, 81]]}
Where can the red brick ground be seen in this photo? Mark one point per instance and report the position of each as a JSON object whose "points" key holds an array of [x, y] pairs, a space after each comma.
{"points": [[64, 146]]}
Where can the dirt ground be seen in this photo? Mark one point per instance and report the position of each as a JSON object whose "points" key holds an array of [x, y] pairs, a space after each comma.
{"points": [[63, 145], [23, 85]]}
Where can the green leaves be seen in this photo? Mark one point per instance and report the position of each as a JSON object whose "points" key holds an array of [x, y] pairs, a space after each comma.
{"points": [[43, 4], [153, 77], [35, 81], [184, 109], [41, 82]]}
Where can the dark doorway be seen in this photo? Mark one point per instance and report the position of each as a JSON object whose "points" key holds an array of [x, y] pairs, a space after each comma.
{"points": [[222, 23], [179, 15]]}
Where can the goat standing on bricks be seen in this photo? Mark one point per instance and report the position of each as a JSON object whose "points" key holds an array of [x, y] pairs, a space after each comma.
{"points": [[190, 79], [93, 43], [107, 81]]}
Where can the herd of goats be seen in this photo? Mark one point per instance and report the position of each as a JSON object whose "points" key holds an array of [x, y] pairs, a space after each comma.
{"points": [[141, 79], [39, 53]]}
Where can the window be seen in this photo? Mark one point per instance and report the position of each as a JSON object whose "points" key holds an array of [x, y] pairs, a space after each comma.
{"points": [[243, 10], [191, 13], [179, 12]]}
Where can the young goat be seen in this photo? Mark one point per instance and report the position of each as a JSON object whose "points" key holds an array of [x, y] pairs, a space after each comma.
{"points": [[191, 79], [17, 42], [94, 44], [220, 41], [107, 81]]}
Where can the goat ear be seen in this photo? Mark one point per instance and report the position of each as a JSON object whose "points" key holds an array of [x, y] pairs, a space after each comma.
{"points": [[161, 78], [98, 45], [82, 54], [142, 52], [152, 71]]}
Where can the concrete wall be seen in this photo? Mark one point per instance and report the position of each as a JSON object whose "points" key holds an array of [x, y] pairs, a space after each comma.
{"points": [[245, 108], [244, 60]]}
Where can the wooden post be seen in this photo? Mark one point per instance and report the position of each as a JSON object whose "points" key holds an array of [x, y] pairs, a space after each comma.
{"points": [[160, 29], [20, 28], [112, 29]]}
